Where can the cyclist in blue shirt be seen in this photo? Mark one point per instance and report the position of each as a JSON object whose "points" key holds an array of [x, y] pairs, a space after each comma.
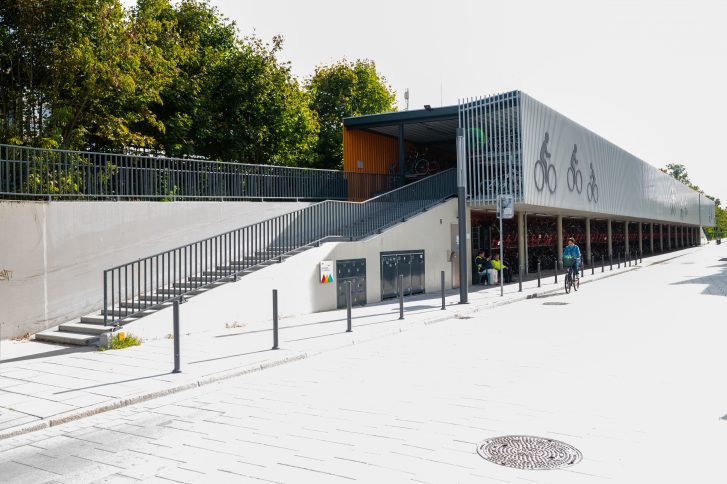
{"points": [[572, 250]]}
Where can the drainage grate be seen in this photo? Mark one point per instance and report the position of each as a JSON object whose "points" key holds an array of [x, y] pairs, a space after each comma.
{"points": [[555, 303], [528, 452]]}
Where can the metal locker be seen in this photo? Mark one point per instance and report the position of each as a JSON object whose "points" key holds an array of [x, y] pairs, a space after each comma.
{"points": [[407, 263], [353, 270]]}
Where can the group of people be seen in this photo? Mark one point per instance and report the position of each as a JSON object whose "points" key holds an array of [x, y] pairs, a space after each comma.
{"points": [[488, 269]]}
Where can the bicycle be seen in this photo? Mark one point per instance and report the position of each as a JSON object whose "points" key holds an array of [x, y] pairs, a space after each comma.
{"points": [[574, 177], [545, 169], [571, 277], [592, 188]]}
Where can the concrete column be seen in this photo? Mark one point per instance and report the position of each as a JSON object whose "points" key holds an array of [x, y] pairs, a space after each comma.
{"points": [[641, 239], [521, 241], [610, 237], [559, 228], [668, 236], [661, 237], [626, 237], [588, 240]]}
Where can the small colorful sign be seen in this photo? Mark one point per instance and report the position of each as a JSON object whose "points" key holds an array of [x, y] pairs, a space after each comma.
{"points": [[326, 271]]}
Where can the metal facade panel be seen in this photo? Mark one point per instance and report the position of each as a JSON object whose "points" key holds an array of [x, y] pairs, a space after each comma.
{"points": [[492, 147], [614, 182]]}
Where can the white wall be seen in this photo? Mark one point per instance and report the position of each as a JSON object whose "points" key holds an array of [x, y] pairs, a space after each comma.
{"points": [[56, 251], [297, 279]]}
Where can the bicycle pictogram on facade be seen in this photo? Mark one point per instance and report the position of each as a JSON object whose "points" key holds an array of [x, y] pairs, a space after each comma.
{"points": [[545, 171], [592, 187], [574, 177]]}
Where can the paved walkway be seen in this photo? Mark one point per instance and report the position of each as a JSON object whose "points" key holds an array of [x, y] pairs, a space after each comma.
{"points": [[627, 370], [43, 385]]}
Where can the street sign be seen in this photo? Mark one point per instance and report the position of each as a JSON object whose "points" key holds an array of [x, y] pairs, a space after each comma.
{"points": [[506, 206]]}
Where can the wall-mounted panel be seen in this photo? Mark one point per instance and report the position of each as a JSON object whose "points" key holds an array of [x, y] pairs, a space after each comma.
{"points": [[568, 166]]}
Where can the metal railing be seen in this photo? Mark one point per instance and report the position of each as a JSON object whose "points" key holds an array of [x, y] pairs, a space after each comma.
{"points": [[131, 289], [35, 173]]}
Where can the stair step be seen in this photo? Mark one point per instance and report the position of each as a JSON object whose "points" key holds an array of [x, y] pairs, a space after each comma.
{"points": [[207, 279], [83, 328], [97, 319], [145, 304], [67, 338], [166, 293]]}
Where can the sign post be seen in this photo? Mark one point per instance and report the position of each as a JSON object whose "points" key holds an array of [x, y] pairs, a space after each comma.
{"points": [[505, 209]]}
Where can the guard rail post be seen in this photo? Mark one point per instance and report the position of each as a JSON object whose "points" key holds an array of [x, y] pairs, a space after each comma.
{"points": [[443, 306], [175, 323], [401, 296], [538, 273]]}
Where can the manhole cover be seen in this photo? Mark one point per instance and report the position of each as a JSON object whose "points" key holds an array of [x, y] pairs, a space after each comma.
{"points": [[528, 452], [555, 303]]}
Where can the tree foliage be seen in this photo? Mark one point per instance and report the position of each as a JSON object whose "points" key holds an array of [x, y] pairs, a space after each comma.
{"points": [[173, 78], [679, 172], [341, 90]]}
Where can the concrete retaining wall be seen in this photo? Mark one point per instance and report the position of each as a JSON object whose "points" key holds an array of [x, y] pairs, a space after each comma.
{"points": [[52, 254]]}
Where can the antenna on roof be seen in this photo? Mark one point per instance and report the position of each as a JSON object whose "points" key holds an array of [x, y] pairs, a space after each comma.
{"points": [[406, 98]]}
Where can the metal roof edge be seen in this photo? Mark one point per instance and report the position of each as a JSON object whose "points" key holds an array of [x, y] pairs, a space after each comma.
{"points": [[402, 117]]}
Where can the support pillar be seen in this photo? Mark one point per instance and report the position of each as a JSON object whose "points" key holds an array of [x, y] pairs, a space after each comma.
{"points": [[559, 229], [626, 237], [521, 242], [668, 237], [651, 238], [641, 239], [661, 237], [588, 240], [610, 237]]}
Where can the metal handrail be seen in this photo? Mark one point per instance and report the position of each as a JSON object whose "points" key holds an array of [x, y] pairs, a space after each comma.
{"points": [[37, 173], [137, 286]]}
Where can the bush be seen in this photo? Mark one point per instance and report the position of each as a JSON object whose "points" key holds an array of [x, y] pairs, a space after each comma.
{"points": [[121, 340]]}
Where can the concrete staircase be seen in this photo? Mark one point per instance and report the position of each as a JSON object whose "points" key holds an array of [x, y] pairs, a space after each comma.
{"points": [[355, 222], [88, 329]]}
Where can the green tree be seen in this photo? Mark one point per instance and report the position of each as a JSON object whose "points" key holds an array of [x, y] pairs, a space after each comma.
{"points": [[80, 73], [678, 172], [341, 90], [254, 111]]}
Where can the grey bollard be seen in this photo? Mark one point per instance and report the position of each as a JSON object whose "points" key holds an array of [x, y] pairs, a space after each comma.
{"points": [[348, 307], [556, 271], [443, 302], [538, 273], [593, 268], [401, 296], [175, 324], [275, 319], [603, 264]]}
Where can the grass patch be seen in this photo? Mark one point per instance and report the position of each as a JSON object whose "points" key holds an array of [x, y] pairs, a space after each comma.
{"points": [[121, 340]]}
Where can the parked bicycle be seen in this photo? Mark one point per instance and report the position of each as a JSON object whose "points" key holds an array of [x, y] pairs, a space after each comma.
{"points": [[574, 177], [545, 171], [592, 188]]}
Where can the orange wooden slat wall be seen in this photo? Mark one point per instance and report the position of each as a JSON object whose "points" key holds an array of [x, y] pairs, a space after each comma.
{"points": [[376, 151]]}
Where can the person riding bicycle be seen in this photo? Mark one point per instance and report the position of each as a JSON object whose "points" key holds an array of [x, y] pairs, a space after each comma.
{"points": [[573, 251]]}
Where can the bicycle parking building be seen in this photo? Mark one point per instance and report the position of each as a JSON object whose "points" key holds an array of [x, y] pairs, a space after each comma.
{"points": [[566, 180]]}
